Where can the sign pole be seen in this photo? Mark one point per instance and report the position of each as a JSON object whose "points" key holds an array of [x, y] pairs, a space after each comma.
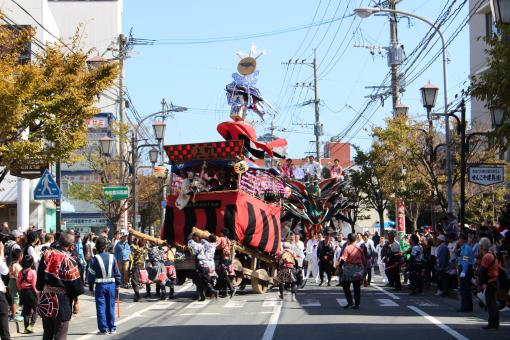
{"points": [[462, 212], [58, 215], [401, 219]]}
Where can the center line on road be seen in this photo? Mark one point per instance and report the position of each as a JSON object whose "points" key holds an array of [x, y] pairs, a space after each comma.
{"points": [[393, 296], [439, 324], [273, 321]]}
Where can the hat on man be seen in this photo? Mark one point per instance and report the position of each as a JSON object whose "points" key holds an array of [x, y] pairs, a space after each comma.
{"points": [[124, 232], [441, 238], [16, 233]]}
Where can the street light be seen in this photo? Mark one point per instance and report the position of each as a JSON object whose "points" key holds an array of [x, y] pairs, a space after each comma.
{"points": [[368, 11], [500, 11], [153, 155], [429, 96], [159, 129], [94, 62], [497, 116], [106, 145], [401, 110], [365, 12]]}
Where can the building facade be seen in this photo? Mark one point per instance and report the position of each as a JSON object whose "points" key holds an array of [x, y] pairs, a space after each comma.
{"points": [[98, 24], [481, 25]]}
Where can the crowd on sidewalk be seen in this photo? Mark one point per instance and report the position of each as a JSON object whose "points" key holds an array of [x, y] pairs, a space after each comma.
{"points": [[43, 274], [458, 261]]}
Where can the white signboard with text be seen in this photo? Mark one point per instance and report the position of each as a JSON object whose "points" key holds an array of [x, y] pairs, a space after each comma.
{"points": [[486, 175]]}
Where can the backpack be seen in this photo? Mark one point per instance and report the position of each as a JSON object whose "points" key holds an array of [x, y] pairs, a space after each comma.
{"points": [[9, 247]]}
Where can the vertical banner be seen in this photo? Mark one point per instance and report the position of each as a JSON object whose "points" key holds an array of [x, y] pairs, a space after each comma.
{"points": [[401, 218]]}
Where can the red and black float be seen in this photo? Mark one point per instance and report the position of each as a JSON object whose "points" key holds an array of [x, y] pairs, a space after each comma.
{"points": [[215, 185]]}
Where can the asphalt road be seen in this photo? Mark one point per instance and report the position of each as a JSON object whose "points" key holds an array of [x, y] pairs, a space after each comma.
{"points": [[317, 314]]}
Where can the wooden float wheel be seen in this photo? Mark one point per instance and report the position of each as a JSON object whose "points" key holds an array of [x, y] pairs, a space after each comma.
{"points": [[261, 285], [238, 269]]}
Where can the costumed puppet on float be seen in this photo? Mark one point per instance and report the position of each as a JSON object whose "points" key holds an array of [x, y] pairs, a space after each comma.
{"points": [[243, 96]]}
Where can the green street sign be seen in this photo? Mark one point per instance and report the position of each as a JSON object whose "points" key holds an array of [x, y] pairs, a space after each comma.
{"points": [[116, 193]]}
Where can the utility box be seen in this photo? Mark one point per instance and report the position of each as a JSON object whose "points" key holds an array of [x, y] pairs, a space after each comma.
{"points": [[395, 54]]}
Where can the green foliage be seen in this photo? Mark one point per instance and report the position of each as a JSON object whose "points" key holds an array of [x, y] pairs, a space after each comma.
{"points": [[370, 181]]}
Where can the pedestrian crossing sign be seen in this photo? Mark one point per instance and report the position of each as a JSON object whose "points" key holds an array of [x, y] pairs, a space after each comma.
{"points": [[47, 188]]}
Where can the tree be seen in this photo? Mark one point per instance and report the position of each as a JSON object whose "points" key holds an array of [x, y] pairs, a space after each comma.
{"points": [[150, 191], [47, 101], [356, 197], [493, 85], [109, 173], [409, 171], [371, 182]]}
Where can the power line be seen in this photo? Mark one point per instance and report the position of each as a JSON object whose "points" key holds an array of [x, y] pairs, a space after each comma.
{"points": [[213, 40], [44, 28]]}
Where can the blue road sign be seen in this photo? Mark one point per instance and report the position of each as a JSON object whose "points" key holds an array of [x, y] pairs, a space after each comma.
{"points": [[47, 188]]}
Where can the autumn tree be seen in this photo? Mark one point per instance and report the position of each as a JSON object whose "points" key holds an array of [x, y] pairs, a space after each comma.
{"points": [[410, 171], [371, 182], [357, 198], [110, 173], [46, 101]]}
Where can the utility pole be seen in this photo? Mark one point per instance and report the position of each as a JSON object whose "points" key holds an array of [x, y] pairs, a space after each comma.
{"points": [[122, 112], [164, 106], [122, 109], [318, 128], [394, 56]]}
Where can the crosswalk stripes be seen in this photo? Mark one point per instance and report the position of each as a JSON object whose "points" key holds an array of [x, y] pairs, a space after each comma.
{"points": [[235, 304], [270, 302], [310, 303], [386, 303], [341, 302], [198, 304]]}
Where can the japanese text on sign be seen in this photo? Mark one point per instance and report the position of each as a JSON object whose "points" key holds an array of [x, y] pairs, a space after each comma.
{"points": [[486, 175]]}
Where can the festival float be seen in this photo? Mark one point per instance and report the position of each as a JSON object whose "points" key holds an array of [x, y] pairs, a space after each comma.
{"points": [[216, 185]]}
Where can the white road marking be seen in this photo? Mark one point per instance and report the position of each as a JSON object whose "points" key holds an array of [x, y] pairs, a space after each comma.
{"points": [[270, 302], [273, 321], [439, 324], [387, 303], [311, 303], [393, 296], [124, 320], [138, 313], [194, 314], [198, 304], [341, 302], [235, 304], [131, 306], [427, 304]]}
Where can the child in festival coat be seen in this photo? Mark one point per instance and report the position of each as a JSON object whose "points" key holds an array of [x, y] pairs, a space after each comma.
{"points": [[25, 283]]}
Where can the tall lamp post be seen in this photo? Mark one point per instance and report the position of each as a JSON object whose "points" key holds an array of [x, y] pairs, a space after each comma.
{"points": [[428, 99], [365, 12], [159, 128]]}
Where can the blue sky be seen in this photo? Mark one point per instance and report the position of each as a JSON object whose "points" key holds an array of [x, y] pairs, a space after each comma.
{"points": [[195, 75]]}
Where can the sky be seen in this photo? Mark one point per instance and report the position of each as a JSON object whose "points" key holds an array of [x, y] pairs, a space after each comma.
{"points": [[194, 74]]}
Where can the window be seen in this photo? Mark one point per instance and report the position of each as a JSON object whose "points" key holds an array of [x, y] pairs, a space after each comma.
{"points": [[490, 26]]}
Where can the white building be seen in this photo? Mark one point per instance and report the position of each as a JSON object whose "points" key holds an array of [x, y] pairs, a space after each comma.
{"points": [[99, 23], [481, 25]]}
